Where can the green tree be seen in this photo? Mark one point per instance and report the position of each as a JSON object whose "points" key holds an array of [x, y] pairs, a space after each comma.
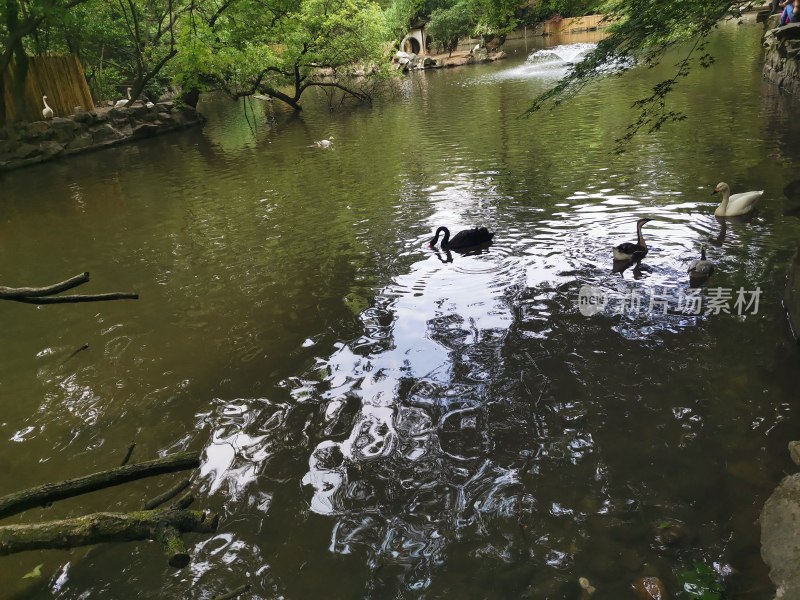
{"points": [[399, 15], [19, 20], [447, 25], [283, 47], [151, 28]]}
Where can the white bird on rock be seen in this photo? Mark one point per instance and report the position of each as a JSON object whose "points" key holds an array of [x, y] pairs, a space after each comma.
{"points": [[47, 112], [124, 101]]}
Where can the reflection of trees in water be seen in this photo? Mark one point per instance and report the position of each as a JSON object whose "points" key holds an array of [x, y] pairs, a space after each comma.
{"points": [[417, 468], [520, 450]]}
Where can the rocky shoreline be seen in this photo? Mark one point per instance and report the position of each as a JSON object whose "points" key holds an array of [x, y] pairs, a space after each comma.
{"points": [[405, 62], [781, 53], [23, 144]]}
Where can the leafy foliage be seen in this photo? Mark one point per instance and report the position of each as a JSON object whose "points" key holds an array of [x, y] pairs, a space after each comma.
{"points": [[641, 32], [281, 47], [446, 25], [701, 582]]}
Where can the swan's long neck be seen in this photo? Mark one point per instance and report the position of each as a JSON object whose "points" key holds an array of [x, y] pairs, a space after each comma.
{"points": [[46, 105], [446, 238], [639, 236], [129, 93], [726, 195]]}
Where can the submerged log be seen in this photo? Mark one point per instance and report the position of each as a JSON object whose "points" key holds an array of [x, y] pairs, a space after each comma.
{"points": [[168, 495], [45, 295], [50, 492], [164, 526]]}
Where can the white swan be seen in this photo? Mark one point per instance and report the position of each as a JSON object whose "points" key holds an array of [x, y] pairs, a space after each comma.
{"points": [[149, 104], [324, 143], [738, 204], [47, 112], [124, 101]]}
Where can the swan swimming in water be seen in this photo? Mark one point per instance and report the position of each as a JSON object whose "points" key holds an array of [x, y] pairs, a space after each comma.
{"points": [[467, 238], [736, 205], [323, 143], [47, 112], [630, 251]]}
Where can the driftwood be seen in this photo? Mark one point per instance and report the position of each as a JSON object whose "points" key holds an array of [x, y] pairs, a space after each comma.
{"points": [[128, 454], [168, 495], [50, 492], [46, 295], [164, 526]]}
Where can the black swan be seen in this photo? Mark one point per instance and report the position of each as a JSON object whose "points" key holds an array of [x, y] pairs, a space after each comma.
{"points": [[463, 239], [630, 251]]}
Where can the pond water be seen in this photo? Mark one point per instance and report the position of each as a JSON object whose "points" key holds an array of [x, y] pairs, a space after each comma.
{"points": [[382, 420]]}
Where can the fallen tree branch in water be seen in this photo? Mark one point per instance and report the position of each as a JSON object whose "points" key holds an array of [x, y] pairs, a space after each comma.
{"points": [[163, 526], [128, 454], [45, 295], [168, 495], [50, 492]]}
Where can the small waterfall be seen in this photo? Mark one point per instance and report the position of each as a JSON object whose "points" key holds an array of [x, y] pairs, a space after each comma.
{"points": [[563, 54], [547, 63]]}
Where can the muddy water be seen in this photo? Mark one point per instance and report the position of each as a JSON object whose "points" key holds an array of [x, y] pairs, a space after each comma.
{"points": [[381, 420]]}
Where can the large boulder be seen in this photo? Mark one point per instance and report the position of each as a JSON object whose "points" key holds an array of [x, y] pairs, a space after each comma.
{"points": [[144, 130], [51, 148], [80, 142], [64, 129], [104, 134], [26, 151], [780, 532]]}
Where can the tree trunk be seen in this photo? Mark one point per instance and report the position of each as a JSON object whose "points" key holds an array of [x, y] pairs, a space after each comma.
{"points": [[50, 492], [164, 526]]}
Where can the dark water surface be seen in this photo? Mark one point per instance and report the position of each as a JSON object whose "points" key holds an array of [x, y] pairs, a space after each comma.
{"points": [[379, 422]]}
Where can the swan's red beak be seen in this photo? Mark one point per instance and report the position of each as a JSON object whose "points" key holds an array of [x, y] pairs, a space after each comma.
{"points": [[716, 191]]}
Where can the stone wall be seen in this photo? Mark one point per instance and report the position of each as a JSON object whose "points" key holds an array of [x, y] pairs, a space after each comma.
{"points": [[781, 60], [23, 144]]}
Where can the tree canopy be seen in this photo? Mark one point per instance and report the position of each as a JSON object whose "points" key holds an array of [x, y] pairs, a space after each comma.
{"points": [[277, 47], [284, 47], [640, 33]]}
